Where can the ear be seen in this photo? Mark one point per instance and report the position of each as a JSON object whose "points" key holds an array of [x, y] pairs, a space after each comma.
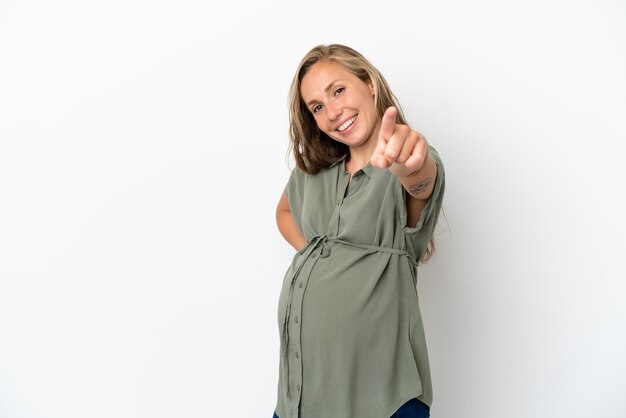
{"points": [[372, 88]]}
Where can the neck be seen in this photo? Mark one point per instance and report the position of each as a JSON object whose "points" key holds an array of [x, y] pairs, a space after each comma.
{"points": [[361, 155]]}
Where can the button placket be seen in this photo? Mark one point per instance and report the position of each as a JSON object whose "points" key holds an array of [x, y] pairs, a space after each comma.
{"points": [[294, 360], [295, 365]]}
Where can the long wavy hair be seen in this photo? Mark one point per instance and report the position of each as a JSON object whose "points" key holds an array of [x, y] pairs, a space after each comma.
{"points": [[312, 149]]}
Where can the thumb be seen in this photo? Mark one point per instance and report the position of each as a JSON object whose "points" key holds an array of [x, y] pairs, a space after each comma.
{"points": [[388, 124]]}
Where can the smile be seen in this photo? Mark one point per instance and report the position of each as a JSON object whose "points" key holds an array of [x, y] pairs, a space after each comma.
{"points": [[347, 124]]}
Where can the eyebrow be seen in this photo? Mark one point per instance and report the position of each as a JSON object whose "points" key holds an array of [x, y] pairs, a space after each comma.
{"points": [[328, 87]]}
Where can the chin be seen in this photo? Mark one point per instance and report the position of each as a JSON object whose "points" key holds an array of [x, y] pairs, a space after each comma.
{"points": [[351, 142]]}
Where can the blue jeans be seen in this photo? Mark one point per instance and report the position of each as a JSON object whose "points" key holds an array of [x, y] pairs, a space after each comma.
{"points": [[412, 409]]}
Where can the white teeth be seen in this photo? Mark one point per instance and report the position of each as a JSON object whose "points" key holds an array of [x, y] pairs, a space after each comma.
{"points": [[347, 123]]}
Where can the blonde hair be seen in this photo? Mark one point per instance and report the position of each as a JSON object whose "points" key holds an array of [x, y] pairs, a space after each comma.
{"points": [[312, 149]]}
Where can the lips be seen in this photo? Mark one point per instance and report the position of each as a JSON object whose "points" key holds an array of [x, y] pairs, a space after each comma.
{"points": [[347, 124]]}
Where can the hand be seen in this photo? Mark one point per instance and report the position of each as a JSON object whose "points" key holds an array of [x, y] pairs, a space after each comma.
{"points": [[399, 148]]}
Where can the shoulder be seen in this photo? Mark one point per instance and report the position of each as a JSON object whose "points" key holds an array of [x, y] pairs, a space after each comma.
{"points": [[301, 181], [300, 175]]}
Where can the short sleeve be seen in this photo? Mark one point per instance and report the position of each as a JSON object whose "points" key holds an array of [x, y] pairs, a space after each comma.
{"points": [[295, 194], [419, 235]]}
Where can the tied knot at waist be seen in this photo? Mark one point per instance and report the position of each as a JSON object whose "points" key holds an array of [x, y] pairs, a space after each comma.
{"points": [[323, 241]]}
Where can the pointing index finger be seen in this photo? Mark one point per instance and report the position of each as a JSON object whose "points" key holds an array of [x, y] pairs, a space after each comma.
{"points": [[388, 124]]}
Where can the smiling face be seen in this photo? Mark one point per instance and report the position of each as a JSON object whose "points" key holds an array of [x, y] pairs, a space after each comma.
{"points": [[341, 103]]}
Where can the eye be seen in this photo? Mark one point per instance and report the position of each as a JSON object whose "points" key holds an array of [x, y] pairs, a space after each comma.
{"points": [[339, 90], [316, 108]]}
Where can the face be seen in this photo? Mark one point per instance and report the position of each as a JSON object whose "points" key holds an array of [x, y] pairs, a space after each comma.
{"points": [[342, 105]]}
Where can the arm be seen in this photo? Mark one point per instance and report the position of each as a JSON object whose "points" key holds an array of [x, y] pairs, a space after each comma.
{"points": [[287, 225], [405, 152]]}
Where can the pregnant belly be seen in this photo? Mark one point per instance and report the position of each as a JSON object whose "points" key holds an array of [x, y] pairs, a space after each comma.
{"points": [[350, 301]]}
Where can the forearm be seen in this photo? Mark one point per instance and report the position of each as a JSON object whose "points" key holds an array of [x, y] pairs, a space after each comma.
{"points": [[421, 183], [419, 187], [289, 230]]}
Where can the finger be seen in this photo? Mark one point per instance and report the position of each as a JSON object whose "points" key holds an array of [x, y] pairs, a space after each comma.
{"points": [[388, 124], [418, 156], [396, 143], [407, 148], [378, 158]]}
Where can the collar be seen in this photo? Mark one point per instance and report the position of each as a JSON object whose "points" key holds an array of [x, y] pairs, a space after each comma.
{"points": [[367, 169]]}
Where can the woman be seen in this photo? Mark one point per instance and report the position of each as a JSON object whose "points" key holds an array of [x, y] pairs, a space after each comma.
{"points": [[360, 209]]}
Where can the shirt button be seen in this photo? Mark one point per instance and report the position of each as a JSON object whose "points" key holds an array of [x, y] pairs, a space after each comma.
{"points": [[314, 255], [300, 284], [296, 319], [357, 178], [298, 388], [297, 355]]}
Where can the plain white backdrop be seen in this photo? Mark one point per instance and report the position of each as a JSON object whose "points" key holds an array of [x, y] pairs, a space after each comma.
{"points": [[143, 151]]}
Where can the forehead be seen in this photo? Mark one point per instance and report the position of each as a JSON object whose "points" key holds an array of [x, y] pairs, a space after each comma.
{"points": [[321, 75]]}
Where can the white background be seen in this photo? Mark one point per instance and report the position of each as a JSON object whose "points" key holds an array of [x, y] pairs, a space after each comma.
{"points": [[143, 151]]}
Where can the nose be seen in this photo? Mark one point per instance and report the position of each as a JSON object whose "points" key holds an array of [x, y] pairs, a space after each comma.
{"points": [[334, 110]]}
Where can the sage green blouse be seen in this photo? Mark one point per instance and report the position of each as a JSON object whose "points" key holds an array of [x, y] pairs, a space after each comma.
{"points": [[352, 341]]}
